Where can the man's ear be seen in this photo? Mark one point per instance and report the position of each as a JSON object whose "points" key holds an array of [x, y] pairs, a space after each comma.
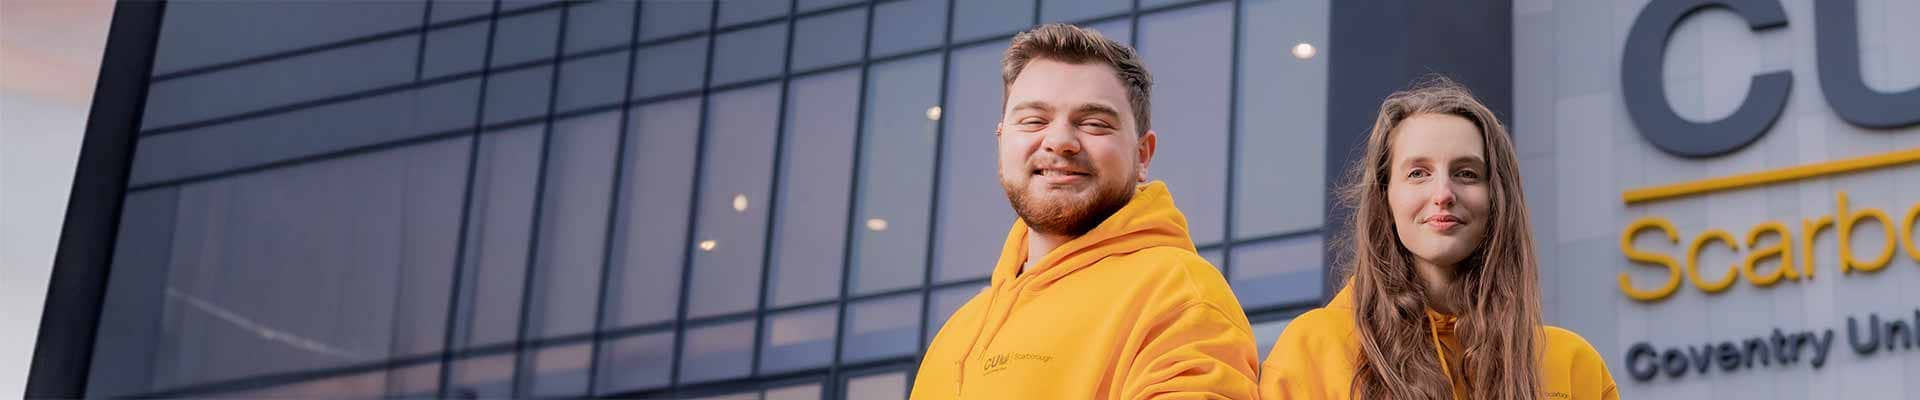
{"points": [[1145, 153]]}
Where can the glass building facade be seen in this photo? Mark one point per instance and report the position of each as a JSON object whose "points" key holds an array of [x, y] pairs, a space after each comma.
{"points": [[779, 199]]}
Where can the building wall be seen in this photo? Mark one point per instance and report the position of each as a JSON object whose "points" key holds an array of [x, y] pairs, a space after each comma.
{"points": [[1580, 150], [537, 199]]}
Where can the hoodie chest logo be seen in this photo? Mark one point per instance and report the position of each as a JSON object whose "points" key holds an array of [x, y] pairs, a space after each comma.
{"points": [[1001, 362]]}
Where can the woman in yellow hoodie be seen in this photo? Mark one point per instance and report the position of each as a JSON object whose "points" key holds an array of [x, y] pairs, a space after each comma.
{"points": [[1444, 299]]}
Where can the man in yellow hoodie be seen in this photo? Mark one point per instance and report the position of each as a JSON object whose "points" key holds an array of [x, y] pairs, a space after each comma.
{"points": [[1098, 293]]}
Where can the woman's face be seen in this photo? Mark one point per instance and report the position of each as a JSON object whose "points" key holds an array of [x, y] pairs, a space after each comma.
{"points": [[1437, 187]]}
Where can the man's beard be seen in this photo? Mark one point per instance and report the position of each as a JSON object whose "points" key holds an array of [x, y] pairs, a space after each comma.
{"points": [[1065, 214]]}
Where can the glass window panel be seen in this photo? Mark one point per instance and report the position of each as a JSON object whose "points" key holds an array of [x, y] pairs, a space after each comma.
{"points": [[732, 396], [896, 174], [511, 5], [889, 386], [499, 228], [799, 392], [519, 94], [980, 18], [311, 131], [1078, 10], [488, 377], [635, 363], [1188, 51], [573, 222], [738, 11], [660, 19], [448, 10], [526, 37], [829, 39], [652, 222], [1281, 125], [945, 303], [810, 5], [587, 82], [1120, 30], [671, 67], [561, 371], [455, 50], [1157, 3], [247, 289], [1278, 271], [749, 54], [974, 215], [1267, 333], [374, 384], [598, 24], [816, 171], [799, 339], [735, 172], [717, 352], [281, 82], [1215, 256], [908, 25], [195, 34], [125, 346], [883, 327]]}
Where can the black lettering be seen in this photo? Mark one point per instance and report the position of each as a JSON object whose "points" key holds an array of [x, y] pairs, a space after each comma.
{"points": [[1642, 371], [1756, 348], [1780, 346], [1702, 357], [1873, 335], [1821, 346], [1644, 88], [1729, 356], [1674, 362], [1898, 330]]}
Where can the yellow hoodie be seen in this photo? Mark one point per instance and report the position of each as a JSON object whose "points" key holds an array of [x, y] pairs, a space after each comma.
{"points": [[1126, 311], [1315, 358]]}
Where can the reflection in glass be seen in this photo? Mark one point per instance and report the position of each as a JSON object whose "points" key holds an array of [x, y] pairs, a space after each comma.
{"points": [[896, 174], [974, 215], [799, 339], [573, 224], [1281, 124], [815, 174], [635, 363], [829, 39], [717, 352], [1278, 271], [892, 386], [1189, 50], [883, 327], [561, 371], [738, 159], [650, 229], [901, 26]]}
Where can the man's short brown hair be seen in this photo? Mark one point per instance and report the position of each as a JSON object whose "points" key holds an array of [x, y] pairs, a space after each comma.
{"points": [[1075, 45]]}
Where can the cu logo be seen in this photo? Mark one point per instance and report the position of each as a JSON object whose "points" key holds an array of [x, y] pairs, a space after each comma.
{"points": [[1837, 49]]}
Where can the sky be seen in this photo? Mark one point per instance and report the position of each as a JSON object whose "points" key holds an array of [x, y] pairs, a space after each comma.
{"points": [[49, 59]]}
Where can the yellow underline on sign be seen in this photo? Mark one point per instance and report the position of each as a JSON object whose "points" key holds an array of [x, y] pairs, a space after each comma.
{"points": [[1768, 177]]}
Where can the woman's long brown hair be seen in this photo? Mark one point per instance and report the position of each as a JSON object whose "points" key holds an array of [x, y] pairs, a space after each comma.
{"points": [[1497, 287]]}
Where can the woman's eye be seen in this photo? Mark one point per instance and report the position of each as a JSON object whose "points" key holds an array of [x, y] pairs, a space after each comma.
{"points": [[1417, 173], [1466, 174]]}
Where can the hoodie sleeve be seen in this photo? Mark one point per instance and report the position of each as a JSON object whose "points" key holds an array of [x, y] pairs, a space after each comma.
{"points": [[1308, 361], [1197, 352]]}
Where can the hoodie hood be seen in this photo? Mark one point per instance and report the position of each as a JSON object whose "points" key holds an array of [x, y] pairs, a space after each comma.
{"points": [[1149, 220]]}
